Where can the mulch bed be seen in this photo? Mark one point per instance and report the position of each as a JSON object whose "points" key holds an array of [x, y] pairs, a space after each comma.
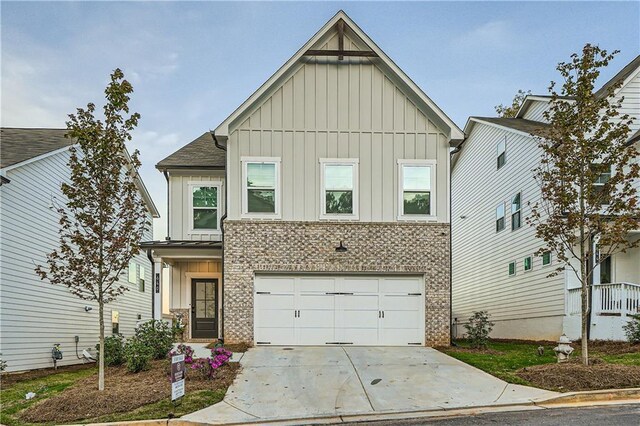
{"points": [[8, 379], [233, 347], [123, 392], [573, 376]]}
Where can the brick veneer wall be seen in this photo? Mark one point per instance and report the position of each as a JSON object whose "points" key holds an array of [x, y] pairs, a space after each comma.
{"points": [[254, 246]]}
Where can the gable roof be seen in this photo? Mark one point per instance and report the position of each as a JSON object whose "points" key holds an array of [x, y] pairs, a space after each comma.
{"points": [[201, 153], [21, 144], [530, 99], [620, 77], [529, 127], [381, 60]]}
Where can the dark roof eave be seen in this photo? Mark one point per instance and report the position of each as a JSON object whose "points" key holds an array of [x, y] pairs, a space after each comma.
{"points": [[181, 244], [165, 167]]}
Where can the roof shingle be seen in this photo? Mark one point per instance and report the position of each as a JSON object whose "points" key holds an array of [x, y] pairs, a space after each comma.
{"points": [[200, 153], [22, 144]]}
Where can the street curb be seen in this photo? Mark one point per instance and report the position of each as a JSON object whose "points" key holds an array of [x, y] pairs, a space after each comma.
{"points": [[592, 396], [599, 397]]}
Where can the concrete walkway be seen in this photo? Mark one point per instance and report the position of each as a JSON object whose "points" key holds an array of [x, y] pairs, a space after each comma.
{"points": [[302, 382]]}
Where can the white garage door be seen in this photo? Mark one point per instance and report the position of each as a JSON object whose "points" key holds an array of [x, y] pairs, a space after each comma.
{"points": [[331, 310]]}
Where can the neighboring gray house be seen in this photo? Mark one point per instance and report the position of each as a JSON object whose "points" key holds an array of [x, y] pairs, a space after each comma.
{"points": [[332, 201], [494, 266], [34, 314]]}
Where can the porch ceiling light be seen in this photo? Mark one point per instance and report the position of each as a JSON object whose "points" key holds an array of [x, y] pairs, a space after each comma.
{"points": [[341, 248]]}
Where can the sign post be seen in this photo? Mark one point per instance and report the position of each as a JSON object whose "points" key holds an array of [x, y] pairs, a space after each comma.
{"points": [[177, 377]]}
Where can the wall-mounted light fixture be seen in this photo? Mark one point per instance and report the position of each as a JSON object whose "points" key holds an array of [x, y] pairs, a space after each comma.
{"points": [[341, 248], [87, 308]]}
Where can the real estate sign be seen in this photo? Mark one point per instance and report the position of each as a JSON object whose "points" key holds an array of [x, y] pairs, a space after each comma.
{"points": [[177, 376]]}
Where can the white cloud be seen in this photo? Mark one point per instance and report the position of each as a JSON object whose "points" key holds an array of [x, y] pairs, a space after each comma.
{"points": [[491, 34]]}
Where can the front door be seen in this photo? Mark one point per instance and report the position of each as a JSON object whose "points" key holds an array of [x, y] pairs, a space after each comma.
{"points": [[204, 302]]}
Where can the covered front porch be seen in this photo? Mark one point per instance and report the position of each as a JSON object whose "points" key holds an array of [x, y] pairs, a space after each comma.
{"points": [[189, 286]]}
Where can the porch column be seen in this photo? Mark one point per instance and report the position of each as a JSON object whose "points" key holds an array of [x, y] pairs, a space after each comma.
{"points": [[157, 289]]}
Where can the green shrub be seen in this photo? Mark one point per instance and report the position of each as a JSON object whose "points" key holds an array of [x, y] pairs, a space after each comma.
{"points": [[137, 355], [113, 350], [478, 329], [157, 336], [632, 329]]}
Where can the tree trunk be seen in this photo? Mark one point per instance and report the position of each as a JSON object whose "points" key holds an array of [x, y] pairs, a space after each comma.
{"points": [[585, 307], [102, 349]]}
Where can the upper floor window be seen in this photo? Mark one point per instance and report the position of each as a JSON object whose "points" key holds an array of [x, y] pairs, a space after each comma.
{"points": [[416, 189], [500, 217], [133, 272], [516, 216], [512, 268], [204, 205], [141, 279], [501, 153], [528, 263], [546, 258], [339, 194], [600, 185], [261, 187]]}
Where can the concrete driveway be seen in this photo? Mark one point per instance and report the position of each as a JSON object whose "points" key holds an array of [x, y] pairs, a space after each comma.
{"points": [[303, 382]]}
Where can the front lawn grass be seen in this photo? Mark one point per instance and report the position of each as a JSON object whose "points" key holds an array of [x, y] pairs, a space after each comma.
{"points": [[615, 364]]}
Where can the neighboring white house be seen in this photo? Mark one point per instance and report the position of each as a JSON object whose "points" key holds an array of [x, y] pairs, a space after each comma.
{"points": [[34, 314], [329, 188], [494, 266]]}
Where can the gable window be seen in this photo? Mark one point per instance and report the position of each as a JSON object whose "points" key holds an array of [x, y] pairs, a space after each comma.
{"points": [[261, 187], [501, 153], [516, 217], [512, 268], [115, 322], [528, 263], [204, 206], [546, 258], [339, 194], [416, 190], [500, 213], [133, 273]]}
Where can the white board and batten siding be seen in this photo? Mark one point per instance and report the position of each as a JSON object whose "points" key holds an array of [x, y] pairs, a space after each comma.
{"points": [[331, 109], [34, 314], [179, 193], [480, 255], [535, 111]]}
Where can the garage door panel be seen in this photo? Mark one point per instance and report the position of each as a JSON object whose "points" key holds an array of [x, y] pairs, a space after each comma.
{"points": [[275, 301], [323, 301], [316, 285], [401, 303], [316, 318], [400, 319], [275, 335], [401, 285], [357, 302], [316, 336], [400, 336], [357, 336], [359, 319], [275, 318], [275, 285], [359, 285]]}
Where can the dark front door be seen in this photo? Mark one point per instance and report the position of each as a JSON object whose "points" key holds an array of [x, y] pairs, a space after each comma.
{"points": [[204, 302]]}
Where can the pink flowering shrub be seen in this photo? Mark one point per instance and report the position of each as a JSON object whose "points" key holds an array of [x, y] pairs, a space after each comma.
{"points": [[185, 350], [203, 366]]}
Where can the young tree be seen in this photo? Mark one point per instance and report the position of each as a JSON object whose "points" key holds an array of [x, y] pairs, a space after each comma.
{"points": [[103, 219], [510, 111], [586, 175]]}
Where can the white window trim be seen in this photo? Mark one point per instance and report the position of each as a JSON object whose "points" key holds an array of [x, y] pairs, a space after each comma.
{"points": [[133, 264], [513, 213], [515, 268], [417, 217], [278, 195], [504, 217], [524, 268], [356, 193], [498, 153], [550, 259], [200, 184]]}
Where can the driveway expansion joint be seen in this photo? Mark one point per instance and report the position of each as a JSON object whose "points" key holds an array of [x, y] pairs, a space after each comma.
{"points": [[359, 379]]}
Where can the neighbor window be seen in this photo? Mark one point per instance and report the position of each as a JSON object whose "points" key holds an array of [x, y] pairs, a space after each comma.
{"points": [[600, 184], [204, 206], [500, 217], [261, 187], [546, 258], [115, 322], [516, 217], [528, 263], [133, 272], [417, 189], [339, 195], [141, 279], [501, 152], [512, 268]]}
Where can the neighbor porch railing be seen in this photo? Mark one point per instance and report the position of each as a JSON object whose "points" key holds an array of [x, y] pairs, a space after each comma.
{"points": [[608, 299]]}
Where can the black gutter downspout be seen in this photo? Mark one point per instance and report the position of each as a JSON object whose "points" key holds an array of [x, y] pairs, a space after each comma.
{"points": [[222, 219], [451, 322], [153, 287]]}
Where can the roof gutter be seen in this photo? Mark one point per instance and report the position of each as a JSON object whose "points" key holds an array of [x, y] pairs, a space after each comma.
{"points": [[222, 219]]}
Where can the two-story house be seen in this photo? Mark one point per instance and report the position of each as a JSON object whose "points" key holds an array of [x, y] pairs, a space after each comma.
{"points": [[494, 266], [327, 221], [34, 314]]}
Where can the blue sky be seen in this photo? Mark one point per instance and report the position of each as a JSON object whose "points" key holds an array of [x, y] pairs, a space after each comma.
{"points": [[193, 63]]}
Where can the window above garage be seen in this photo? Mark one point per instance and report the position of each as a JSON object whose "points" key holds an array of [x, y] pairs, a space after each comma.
{"points": [[417, 198]]}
